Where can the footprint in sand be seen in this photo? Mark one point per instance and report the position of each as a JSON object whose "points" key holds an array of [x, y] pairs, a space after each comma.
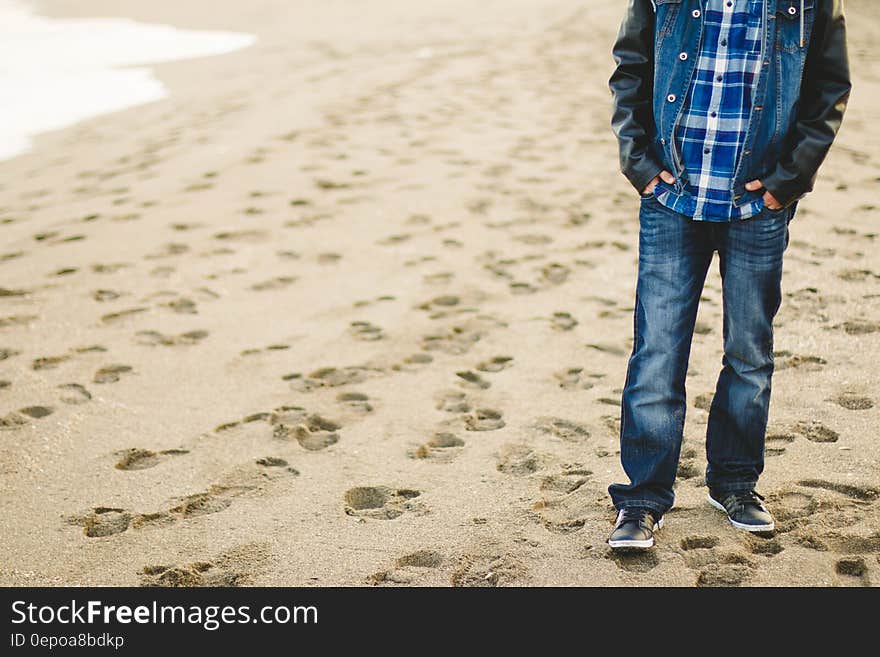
{"points": [[409, 569], [816, 432], [763, 544], [136, 458], [703, 401], [487, 570], [168, 250], [312, 431], [48, 362], [8, 353], [456, 340], [366, 331], [453, 401], [36, 412], [470, 379], [574, 378], [108, 521], [567, 430], [853, 568], [634, 561], [122, 314], [729, 570], [277, 283], [182, 305], [276, 462], [687, 466], [199, 573], [381, 502], [12, 421], [699, 542], [609, 349], [111, 373], [103, 521], [154, 338], [19, 419], [775, 441], [859, 327], [484, 419], [495, 364], [852, 401], [785, 360], [519, 460], [442, 446], [864, 493], [554, 274], [328, 377], [233, 567], [569, 480], [356, 402]]}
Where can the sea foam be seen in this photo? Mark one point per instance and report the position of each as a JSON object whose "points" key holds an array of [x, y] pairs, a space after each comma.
{"points": [[56, 72]]}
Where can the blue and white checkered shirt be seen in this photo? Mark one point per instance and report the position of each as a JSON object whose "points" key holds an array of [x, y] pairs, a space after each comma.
{"points": [[712, 127]]}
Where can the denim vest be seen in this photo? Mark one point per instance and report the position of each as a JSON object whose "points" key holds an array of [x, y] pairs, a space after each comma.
{"points": [[787, 25]]}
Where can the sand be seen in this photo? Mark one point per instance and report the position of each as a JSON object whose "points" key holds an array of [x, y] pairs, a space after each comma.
{"points": [[353, 306]]}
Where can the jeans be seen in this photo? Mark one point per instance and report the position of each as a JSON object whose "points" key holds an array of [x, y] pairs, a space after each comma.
{"points": [[674, 256]]}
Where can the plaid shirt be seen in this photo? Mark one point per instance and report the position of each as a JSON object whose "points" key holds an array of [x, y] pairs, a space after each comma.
{"points": [[712, 127]]}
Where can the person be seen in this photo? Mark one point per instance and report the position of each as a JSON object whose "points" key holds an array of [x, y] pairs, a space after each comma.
{"points": [[724, 110]]}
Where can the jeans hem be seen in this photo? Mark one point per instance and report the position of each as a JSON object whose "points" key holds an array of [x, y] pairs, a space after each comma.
{"points": [[648, 504], [732, 487]]}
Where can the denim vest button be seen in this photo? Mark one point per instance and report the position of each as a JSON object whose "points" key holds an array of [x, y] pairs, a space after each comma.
{"points": [[663, 141], [683, 56], [792, 10], [671, 98], [695, 13]]}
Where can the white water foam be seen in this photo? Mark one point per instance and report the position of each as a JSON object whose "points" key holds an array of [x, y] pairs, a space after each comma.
{"points": [[56, 72]]}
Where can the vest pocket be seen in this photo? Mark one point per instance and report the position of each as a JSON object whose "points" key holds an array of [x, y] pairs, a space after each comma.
{"points": [[666, 13], [792, 29]]}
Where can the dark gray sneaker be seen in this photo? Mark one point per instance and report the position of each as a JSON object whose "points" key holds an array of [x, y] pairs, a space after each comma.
{"points": [[634, 529], [744, 509]]}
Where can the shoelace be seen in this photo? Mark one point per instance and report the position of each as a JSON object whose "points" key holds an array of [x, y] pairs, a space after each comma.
{"points": [[748, 498], [637, 514]]}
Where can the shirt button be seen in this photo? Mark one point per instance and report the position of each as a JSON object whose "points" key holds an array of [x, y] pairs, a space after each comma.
{"points": [[695, 13], [719, 78], [671, 98], [683, 56], [706, 151], [713, 114], [723, 42]]}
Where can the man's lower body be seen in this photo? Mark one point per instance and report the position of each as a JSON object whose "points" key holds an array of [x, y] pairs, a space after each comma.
{"points": [[675, 253]]}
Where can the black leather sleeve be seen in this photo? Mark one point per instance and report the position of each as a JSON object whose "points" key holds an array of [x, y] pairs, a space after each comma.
{"points": [[632, 85], [824, 94]]}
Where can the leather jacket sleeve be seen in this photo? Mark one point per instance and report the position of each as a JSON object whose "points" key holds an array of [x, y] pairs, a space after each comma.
{"points": [[632, 85], [824, 94]]}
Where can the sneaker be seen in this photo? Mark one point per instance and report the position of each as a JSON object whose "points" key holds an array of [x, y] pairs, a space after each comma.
{"points": [[635, 528], [744, 509]]}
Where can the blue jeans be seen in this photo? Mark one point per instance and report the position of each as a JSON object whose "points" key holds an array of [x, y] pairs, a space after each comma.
{"points": [[674, 256]]}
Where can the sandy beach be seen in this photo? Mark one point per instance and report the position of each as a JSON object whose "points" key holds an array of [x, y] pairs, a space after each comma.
{"points": [[353, 306]]}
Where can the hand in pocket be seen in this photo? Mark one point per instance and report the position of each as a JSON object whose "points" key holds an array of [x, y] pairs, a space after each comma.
{"points": [[665, 175], [770, 201]]}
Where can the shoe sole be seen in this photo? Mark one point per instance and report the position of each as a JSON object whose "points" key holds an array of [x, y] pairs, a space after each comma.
{"points": [[636, 545], [748, 528]]}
